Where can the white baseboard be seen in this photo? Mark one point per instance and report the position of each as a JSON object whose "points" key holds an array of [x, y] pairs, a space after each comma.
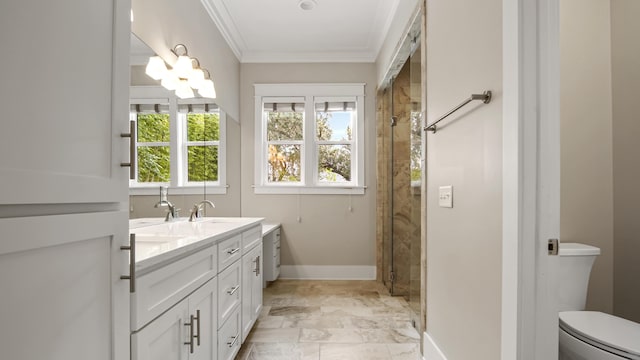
{"points": [[431, 349], [321, 272]]}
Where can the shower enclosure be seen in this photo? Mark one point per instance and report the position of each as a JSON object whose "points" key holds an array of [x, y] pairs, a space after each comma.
{"points": [[400, 177]]}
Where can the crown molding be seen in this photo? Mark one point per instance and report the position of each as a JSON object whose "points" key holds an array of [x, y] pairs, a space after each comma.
{"points": [[308, 57], [222, 19]]}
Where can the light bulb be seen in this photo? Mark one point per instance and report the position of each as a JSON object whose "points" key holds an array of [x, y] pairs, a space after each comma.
{"points": [[196, 78], [184, 91], [183, 67], [170, 80], [207, 89], [156, 68]]}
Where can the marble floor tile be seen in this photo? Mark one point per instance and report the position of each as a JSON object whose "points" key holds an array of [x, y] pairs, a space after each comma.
{"points": [[389, 336], [405, 351], [290, 335], [294, 310], [354, 352], [280, 351], [270, 322], [345, 336], [331, 320]]}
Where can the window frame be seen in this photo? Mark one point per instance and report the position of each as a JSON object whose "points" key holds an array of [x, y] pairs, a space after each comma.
{"points": [[178, 153], [310, 95]]}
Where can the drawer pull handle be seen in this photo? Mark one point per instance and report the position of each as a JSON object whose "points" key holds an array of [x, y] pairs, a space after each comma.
{"points": [[132, 263], [190, 342], [233, 251], [233, 290], [233, 341], [257, 269], [278, 247], [278, 265], [197, 318]]}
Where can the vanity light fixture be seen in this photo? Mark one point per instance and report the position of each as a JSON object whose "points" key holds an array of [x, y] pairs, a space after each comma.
{"points": [[196, 78], [184, 66], [156, 68], [184, 77], [207, 89]]}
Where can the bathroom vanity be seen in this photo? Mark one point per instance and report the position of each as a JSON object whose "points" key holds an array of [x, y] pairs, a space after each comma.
{"points": [[197, 287]]}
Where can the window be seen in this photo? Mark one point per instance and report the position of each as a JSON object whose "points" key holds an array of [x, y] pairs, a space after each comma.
{"points": [[178, 144], [309, 138]]}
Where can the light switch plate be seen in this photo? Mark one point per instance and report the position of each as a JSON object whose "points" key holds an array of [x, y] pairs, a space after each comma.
{"points": [[445, 196]]}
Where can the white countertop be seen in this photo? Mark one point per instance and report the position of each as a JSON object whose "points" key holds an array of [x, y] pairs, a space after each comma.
{"points": [[267, 228], [158, 241]]}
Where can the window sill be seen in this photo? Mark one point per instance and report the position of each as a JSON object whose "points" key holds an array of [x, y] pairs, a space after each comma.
{"points": [[184, 190], [310, 190]]}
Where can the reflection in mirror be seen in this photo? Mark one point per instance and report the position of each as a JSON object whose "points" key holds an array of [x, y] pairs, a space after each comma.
{"points": [[206, 128]]}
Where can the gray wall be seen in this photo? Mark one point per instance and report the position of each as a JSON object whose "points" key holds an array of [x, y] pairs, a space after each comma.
{"points": [[626, 151], [465, 261], [328, 234], [586, 201]]}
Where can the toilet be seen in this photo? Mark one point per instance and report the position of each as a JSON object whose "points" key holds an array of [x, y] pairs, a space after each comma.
{"points": [[589, 335]]}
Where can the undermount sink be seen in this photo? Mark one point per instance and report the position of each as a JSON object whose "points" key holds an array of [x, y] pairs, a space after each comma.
{"points": [[153, 238], [220, 219], [142, 222]]}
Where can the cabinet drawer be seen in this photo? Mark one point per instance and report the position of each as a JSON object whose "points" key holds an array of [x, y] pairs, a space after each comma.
{"points": [[229, 251], [229, 292], [160, 289], [229, 337], [251, 238]]}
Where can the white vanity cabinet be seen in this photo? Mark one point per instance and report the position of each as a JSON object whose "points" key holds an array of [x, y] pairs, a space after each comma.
{"points": [[251, 288], [271, 238], [186, 331], [189, 301]]}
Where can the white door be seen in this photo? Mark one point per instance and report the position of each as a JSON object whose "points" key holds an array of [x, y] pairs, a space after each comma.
{"points": [[256, 288], [251, 289], [61, 294], [164, 338], [203, 305], [64, 101], [531, 179]]}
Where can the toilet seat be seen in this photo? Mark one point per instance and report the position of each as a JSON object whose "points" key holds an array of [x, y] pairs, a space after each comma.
{"points": [[609, 333]]}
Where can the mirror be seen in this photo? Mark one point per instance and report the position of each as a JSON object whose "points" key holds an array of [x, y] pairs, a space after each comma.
{"points": [[154, 106]]}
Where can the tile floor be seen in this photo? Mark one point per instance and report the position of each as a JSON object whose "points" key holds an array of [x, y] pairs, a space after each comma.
{"points": [[331, 320]]}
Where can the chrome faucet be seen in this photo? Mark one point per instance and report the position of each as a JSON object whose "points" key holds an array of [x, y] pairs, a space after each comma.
{"points": [[172, 212], [196, 211]]}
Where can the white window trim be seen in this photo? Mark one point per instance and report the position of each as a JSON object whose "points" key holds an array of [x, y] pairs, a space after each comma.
{"points": [[311, 93], [178, 185]]}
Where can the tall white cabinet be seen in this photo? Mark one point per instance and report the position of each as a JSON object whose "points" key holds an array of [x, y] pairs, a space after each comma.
{"points": [[63, 193]]}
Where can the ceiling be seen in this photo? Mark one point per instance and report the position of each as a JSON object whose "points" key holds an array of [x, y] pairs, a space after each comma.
{"points": [[281, 31]]}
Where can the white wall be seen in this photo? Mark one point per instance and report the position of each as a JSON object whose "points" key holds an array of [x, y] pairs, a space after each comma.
{"points": [[328, 235], [625, 32], [586, 158], [162, 24], [464, 243]]}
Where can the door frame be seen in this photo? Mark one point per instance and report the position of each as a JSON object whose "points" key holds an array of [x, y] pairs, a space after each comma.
{"points": [[531, 178]]}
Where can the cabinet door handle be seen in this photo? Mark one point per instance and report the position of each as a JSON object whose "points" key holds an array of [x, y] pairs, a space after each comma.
{"points": [[233, 290], [233, 341], [132, 263], [257, 269], [190, 342], [132, 150], [233, 251], [197, 334]]}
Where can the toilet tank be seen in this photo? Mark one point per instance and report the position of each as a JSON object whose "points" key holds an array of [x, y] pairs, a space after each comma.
{"points": [[576, 261]]}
